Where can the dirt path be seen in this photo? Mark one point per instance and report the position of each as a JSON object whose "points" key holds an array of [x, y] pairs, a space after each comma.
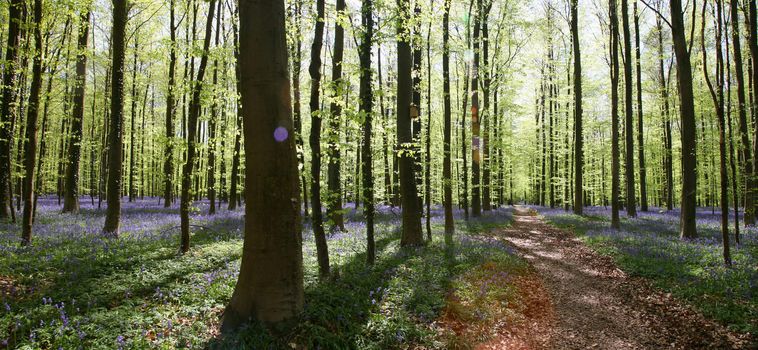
{"points": [[595, 305]]}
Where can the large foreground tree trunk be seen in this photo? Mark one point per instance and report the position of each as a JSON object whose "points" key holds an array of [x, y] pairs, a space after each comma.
{"points": [[270, 284]]}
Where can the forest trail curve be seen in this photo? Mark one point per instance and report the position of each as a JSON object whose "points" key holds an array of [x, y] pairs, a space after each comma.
{"points": [[596, 305]]}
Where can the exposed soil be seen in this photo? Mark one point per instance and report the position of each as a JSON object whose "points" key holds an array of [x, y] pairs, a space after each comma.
{"points": [[595, 305]]}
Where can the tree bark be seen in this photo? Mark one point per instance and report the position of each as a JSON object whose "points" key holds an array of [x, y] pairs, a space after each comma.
{"points": [[366, 107], [578, 127], [615, 166], [447, 181], [411, 221], [717, 95], [192, 117], [9, 95], [688, 128], [115, 132], [476, 201], [334, 205], [30, 140], [322, 250], [71, 198], [630, 202], [270, 284], [640, 132], [211, 180], [753, 46], [168, 164], [233, 191]]}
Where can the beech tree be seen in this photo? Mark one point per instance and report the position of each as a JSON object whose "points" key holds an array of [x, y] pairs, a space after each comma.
{"points": [[116, 120], [272, 225]]}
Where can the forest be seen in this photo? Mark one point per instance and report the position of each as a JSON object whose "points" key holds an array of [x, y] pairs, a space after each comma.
{"points": [[378, 174]]}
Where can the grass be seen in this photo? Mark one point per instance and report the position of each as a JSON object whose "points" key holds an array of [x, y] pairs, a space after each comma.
{"points": [[691, 270], [73, 289]]}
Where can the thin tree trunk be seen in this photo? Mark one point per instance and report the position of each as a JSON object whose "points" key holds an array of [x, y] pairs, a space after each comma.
{"points": [[334, 204], [615, 222], [366, 107], [688, 128], [71, 198], [9, 94], [168, 164], [640, 132], [115, 135], [233, 192], [446, 163], [411, 221], [476, 202], [211, 181], [717, 95], [315, 142], [578, 127], [192, 118], [630, 200], [30, 141]]}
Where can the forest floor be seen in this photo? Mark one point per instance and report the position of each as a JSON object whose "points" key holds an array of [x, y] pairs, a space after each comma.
{"points": [[520, 281], [594, 304]]}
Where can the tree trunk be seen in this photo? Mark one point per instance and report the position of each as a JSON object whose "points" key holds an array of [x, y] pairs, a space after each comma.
{"points": [[688, 128], [233, 192], [8, 111], [132, 129], [115, 132], [745, 145], [640, 132], [476, 201], [30, 140], [411, 221], [366, 107], [615, 221], [315, 142], [667, 141], [71, 198], [447, 181], [168, 164], [630, 202], [211, 181], [753, 46], [486, 115], [578, 131], [334, 205], [192, 118], [717, 95], [270, 284]]}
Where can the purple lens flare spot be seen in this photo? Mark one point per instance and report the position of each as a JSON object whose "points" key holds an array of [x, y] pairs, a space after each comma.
{"points": [[281, 134]]}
